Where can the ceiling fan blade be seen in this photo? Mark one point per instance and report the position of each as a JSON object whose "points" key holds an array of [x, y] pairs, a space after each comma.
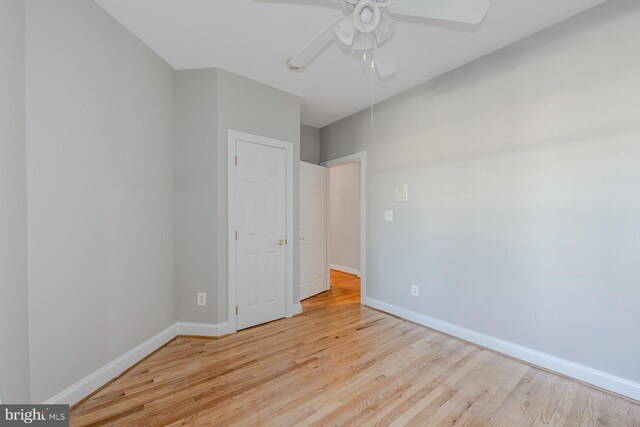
{"points": [[384, 29], [313, 48], [384, 61], [346, 31], [466, 11]]}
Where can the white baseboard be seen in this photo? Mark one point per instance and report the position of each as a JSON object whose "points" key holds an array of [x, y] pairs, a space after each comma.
{"points": [[297, 309], [580, 372], [97, 379], [92, 382], [203, 329], [344, 269]]}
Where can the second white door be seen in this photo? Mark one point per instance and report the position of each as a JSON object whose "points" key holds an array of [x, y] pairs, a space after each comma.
{"points": [[261, 223], [313, 230]]}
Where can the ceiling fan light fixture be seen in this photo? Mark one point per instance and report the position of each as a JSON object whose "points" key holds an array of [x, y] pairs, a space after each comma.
{"points": [[366, 16], [345, 31], [384, 29], [363, 42], [364, 27]]}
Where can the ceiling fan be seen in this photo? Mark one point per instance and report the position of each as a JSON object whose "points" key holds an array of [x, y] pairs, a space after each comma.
{"points": [[366, 26]]}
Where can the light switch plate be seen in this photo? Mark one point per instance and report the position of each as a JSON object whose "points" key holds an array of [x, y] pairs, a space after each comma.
{"points": [[388, 216], [202, 299]]}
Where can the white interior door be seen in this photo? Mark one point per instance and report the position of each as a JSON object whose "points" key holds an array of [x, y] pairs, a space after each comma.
{"points": [[313, 230], [261, 223]]}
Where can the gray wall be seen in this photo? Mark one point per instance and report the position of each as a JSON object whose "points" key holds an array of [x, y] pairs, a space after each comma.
{"points": [[14, 331], [344, 216], [127, 188], [210, 102], [248, 106], [523, 219], [310, 144], [101, 177], [197, 194]]}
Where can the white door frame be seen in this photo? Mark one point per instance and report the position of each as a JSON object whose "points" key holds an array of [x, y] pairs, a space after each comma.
{"points": [[232, 196], [360, 157]]}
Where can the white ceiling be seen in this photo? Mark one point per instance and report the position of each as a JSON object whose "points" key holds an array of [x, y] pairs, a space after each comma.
{"points": [[254, 38]]}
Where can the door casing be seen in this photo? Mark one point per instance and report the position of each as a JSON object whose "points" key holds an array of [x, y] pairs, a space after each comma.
{"points": [[234, 136]]}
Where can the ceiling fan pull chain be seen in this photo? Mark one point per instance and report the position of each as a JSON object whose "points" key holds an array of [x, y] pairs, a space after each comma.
{"points": [[373, 71]]}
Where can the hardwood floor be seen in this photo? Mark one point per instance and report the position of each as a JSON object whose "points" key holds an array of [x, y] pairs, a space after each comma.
{"points": [[342, 364]]}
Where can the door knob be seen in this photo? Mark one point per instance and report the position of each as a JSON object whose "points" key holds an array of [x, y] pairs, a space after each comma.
{"points": [[282, 242]]}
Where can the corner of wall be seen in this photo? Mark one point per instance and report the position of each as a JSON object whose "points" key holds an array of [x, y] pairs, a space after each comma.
{"points": [[14, 293]]}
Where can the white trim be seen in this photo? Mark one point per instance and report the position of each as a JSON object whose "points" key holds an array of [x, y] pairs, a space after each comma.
{"points": [[92, 382], [203, 329], [291, 238], [111, 370], [360, 157], [580, 372], [297, 309], [344, 269]]}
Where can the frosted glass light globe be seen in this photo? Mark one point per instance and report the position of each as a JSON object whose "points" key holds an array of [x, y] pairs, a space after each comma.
{"points": [[366, 15]]}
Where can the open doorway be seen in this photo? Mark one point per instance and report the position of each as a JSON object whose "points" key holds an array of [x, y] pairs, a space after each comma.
{"points": [[346, 226]]}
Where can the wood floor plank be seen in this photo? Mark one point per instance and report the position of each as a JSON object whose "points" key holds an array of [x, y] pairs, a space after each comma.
{"points": [[554, 397], [394, 405], [590, 415], [484, 414], [339, 363], [507, 371], [546, 400], [633, 415], [607, 414]]}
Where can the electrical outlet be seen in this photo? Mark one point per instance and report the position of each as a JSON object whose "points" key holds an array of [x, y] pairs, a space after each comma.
{"points": [[415, 290], [202, 299], [388, 216]]}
